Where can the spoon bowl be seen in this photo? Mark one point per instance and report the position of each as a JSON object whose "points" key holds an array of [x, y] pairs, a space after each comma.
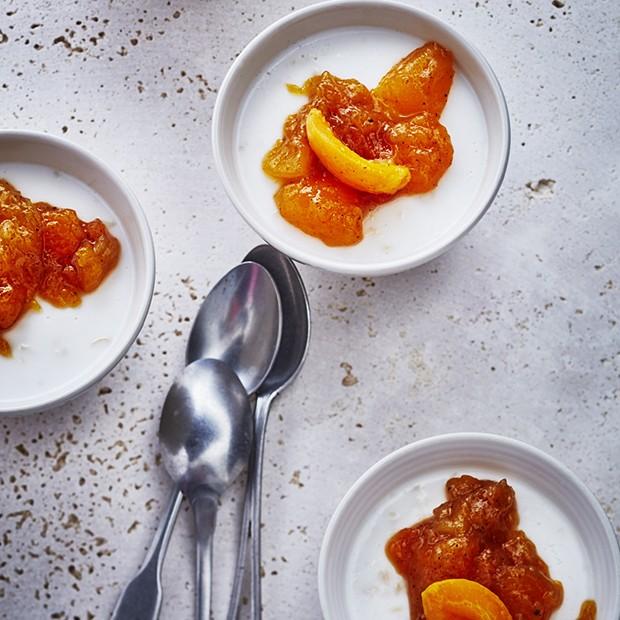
{"points": [[205, 434], [205, 429], [240, 323], [295, 337]]}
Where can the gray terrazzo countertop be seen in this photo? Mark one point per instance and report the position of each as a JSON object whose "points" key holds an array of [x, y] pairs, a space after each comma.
{"points": [[515, 330]]}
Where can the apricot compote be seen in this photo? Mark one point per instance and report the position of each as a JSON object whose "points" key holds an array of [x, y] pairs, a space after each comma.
{"points": [[49, 252], [365, 147], [474, 536]]}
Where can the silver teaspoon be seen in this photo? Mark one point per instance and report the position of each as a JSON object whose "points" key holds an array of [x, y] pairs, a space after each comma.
{"points": [[206, 437], [290, 358]]}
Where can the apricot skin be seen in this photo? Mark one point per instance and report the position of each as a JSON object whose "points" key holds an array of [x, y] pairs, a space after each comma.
{"points": [[322, 208], [420, 82], [425, 146], [462, 599]]}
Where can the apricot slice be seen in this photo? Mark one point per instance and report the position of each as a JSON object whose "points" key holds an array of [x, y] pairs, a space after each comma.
{"points": [[290, 158], [323, 208], [424, 145], [94, 260], [62, 231], [587, 610], [462, 599], [420, 82], [374, 176]]}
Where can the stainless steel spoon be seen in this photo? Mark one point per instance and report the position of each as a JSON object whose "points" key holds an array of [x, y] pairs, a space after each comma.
{"points": [[205, 434], [290, 358], [239, 322]]}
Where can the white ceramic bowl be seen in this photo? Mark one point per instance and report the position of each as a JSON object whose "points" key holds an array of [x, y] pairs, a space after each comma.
{"points": [[361, 39], [58, 353], [561, 516]]}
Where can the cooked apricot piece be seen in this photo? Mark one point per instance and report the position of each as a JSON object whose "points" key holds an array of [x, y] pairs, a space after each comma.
{"points": [[12, 302], [93, 260], [424, 146], [357, 118], [462, 599], [62, 231], [291, 156], [587, 611], [374, 176], [420, 82], [21, 264], [59, 290], [323, 208]]}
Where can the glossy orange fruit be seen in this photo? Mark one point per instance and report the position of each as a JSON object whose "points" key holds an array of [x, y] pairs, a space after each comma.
{"points": [[420, 82], [462, 599]]}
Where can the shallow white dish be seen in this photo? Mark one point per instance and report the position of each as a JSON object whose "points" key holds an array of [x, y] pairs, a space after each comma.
{"points": [[59, 352], [360, 39], [557, 511]]}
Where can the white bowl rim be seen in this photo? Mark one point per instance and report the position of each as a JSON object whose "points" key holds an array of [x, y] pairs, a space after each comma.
{"points": [[116, 353], [362, 269], [452, 438]]}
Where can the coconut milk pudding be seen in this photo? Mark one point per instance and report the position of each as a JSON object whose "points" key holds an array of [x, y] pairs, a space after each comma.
{"points": [[343, 52], [375, 590], [54, 346]]}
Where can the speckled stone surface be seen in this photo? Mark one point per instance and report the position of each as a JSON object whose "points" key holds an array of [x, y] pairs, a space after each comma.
{"points": [[515, 330]]}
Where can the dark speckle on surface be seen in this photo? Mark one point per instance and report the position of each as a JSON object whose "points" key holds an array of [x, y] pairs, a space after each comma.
{"points": [[542, 187], [349, 378]]}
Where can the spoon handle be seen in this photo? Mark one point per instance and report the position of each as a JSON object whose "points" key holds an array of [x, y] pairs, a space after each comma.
{"points": [[205, 510], [263, 403], [142, 596], [250, 520], [235, 597]]}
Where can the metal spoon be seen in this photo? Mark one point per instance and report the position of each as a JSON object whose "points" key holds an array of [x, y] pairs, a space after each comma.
{"points": [[290, 358], [240, 322], [205, 433]]}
